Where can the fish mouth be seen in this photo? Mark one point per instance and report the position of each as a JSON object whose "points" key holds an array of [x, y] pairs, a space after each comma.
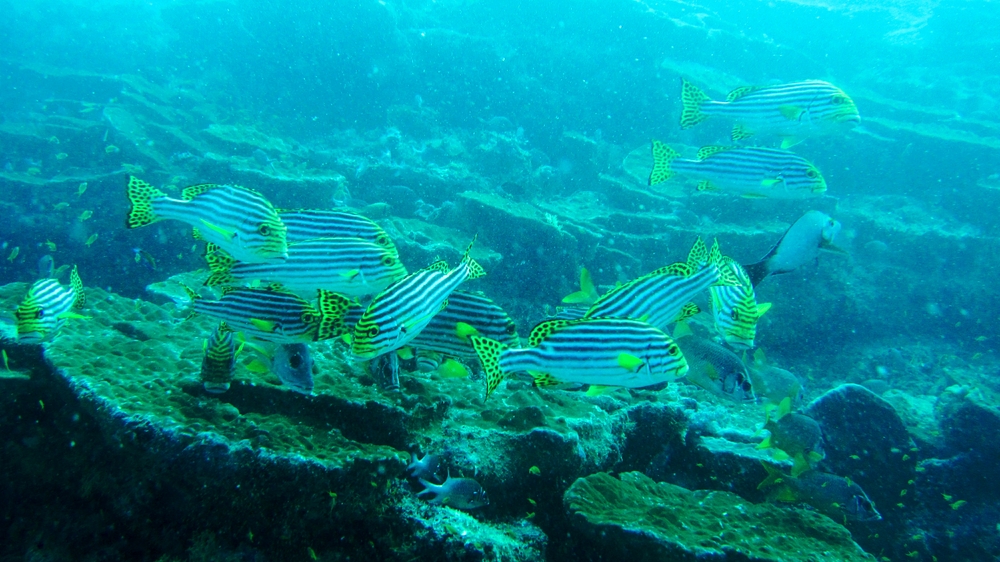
{"points": [[848, 118]]}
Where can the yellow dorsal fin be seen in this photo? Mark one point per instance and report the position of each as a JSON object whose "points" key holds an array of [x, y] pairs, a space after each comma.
{"points": [[740, 92], [706, 151], [192, 191], [545, 329]]}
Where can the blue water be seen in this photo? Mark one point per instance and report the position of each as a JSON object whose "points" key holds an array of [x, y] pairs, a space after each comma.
{"points": [[412, 103]]}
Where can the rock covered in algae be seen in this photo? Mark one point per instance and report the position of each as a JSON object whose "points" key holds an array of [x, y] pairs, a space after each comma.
{"points": [[638, 519]]}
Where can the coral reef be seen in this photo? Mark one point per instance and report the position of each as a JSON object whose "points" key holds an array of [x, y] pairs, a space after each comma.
{"points": [[636, 518]]}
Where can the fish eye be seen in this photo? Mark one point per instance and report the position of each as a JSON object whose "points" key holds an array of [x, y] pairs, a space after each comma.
{"points": [[837, 100], [811, 173], [673, 350], [383, 240], [308, 317], [295, 361], [373, 331], [746, 386], [388, 261], [39, 314], [735, 315], [264, 230]]}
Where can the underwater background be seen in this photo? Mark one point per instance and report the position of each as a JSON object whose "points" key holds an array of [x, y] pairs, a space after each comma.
{"points": [[526, 125]]}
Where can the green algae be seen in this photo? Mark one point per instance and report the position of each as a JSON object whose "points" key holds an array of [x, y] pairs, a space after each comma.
{"points": [[656, 520]]}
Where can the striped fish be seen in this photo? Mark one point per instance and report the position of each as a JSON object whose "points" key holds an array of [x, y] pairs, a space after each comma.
{"points": [[239, 220], [467, 314], [663, 296], [219, 363], [735, 309], [306, 224], [278, 316], [597, 351], [747, 171], [790, 111], [398, 314], [46, 308], [349, 266]]}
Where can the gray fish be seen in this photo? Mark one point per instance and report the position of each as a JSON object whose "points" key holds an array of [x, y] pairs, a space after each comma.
{"points": [[46, 267], [460, 493], [425, 467], [714, 368], [799, 245], [834, 496], [293, 364]]}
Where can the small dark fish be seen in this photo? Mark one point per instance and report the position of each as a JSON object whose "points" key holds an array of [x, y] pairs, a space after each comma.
{"points": [[46, 266], [714, 368], [834, 496], [797, 436], [425, 467], [293, 364], [460, 493]]}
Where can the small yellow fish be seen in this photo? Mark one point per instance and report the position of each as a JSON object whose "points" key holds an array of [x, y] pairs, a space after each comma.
{"points": [[61, 206], [54, 139], [80, 190], [958, 504], [111, 149], [532, 502], [902, 492], [312, 553], [86, 215], [91, 240], [50, 245], [33, 171], [535, 471], [13, 254], [976, 355], [946, 497], [982, 338], [855, 457], [62, 156], [6, 365]]}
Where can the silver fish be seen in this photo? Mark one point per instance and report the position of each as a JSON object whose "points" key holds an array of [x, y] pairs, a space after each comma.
{"points": [[799, 245], [293, 364]]}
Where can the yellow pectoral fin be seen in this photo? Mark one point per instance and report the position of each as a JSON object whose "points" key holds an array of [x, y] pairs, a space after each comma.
{"points": [[74, 316], [706, 185], [791, 112], [218, 229], [351, 274], [771, 182], [598, 390], [263, 325], [405, 353], [464, 331], [789, 142], [630, 362], [259, 367], [762, 308]]}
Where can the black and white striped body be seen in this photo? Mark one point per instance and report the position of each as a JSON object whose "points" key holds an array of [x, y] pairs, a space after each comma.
{"points": [[602, 351]]}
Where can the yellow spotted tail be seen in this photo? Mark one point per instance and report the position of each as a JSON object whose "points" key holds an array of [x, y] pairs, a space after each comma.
{"points": [[692, 99], [489, 355], [663, 156], [220, 264], [140, 197], [332, 312]]}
